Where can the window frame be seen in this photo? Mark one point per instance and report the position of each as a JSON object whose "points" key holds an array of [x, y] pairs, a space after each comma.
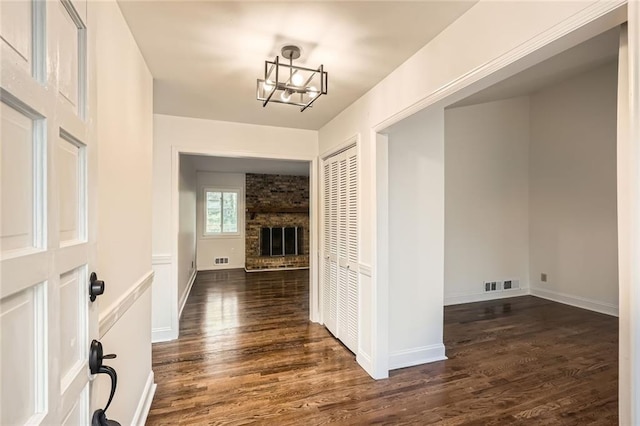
{"points": [[204, 211]]}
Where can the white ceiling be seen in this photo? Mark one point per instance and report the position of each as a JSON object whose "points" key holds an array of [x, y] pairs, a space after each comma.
{"points": [[589, 55], [204, 163], [205, 56]]}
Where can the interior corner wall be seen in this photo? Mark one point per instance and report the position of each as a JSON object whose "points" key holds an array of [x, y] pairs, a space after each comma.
{"points": [[416, 239], [486, 199], [573, 191], [187, 189], [123, 117], [209, 247]]}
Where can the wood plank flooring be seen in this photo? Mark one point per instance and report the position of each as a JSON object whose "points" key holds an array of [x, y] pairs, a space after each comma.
{"points": [[248, 354]]}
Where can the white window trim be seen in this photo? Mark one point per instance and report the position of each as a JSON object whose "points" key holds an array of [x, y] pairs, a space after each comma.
{"points": [[203, 211]]}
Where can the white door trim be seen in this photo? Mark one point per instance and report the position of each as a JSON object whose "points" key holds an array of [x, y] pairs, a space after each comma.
{"points": [[176, 151]]}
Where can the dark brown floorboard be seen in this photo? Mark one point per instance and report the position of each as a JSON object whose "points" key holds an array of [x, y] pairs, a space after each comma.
{"points": [[248, 354]]}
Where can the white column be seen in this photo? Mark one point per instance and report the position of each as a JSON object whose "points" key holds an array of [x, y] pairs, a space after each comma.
{"points": [[634, 140], [629, 216]]}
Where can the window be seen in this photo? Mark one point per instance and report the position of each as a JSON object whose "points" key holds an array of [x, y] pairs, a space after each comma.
{"points": [[220, 212]]}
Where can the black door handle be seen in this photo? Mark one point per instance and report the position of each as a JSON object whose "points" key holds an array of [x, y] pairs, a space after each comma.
{"points": [[96, 356], [96, 287]]}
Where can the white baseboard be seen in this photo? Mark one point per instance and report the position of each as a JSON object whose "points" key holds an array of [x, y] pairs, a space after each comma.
{"points": [[416, 356], [164, 334], [364, 361], [577, 301], [142, 410], [275, 269], [185, 294], [481, 297], [221, 267]]}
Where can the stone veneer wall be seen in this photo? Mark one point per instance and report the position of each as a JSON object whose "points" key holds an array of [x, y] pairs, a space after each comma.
{"points": [[270, 193]]}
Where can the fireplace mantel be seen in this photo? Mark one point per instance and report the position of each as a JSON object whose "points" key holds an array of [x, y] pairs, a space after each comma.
{"points": [[255, 210]]}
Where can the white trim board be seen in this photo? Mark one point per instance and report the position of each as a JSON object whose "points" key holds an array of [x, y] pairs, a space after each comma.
{"points": [[364, 360], [122, 305], [163, 334], [161, 259], [187, 291], [144, 405], [605, 14], [458, 299], [226, 267], [577, 301], [275, 269], [416, 356]]}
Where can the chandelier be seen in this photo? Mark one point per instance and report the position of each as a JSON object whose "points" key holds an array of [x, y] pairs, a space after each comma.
{"points": [[290, 84]]}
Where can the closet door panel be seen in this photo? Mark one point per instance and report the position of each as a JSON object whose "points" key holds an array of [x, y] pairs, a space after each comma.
{"points": [[340, 247]]}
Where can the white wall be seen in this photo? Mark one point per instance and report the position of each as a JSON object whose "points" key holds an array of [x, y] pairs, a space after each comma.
{"points": [[573, 191], [124, 129], [231, 246], [486, 198], [187, 190], [463, 58], [416, 239], [173, 135]]}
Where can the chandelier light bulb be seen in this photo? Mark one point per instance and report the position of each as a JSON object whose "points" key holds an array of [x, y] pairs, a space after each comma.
{"points": [[285, 96], [297, 79], [312, 92], [267, 85]]}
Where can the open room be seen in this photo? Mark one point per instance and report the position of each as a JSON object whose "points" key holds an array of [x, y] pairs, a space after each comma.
{"points": [[354, 212]]}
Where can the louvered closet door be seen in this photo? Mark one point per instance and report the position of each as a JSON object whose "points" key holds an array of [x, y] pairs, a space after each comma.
{"points": [[350, 334], [330, 268], [340, 246]]}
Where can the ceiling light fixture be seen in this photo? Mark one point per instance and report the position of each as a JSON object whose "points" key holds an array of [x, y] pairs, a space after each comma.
{"points": [[296, 85]]}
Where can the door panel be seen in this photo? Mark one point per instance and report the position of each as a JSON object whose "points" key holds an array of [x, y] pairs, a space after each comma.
{"points": [[71, 161], [16, 36], [16, 180], [73, 324], [46, 249], [69, 53], [78, 413], [23, 369]]}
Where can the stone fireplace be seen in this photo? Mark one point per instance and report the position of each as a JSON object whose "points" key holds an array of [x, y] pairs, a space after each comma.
{"points": [[277, 222]]}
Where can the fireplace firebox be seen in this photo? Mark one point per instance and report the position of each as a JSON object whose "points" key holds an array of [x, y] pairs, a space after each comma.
{"points": [[281, 241]]}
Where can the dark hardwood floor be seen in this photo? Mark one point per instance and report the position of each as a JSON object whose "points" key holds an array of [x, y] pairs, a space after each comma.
{"points": [[248, 354]]}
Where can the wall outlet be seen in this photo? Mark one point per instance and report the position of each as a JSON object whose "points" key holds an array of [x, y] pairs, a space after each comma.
{"points": [[543, 277]]}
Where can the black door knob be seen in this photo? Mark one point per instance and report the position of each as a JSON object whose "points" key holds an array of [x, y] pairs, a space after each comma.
{"points": [[96, 286], [96, 356]]}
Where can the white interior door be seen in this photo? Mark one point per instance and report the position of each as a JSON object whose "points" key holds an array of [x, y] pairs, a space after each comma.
{"points": [[47, 241], [330, 249], [340, 246]]}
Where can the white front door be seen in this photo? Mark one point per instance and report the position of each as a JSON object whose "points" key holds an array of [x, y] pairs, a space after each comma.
{"points": [[47, 235]]}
